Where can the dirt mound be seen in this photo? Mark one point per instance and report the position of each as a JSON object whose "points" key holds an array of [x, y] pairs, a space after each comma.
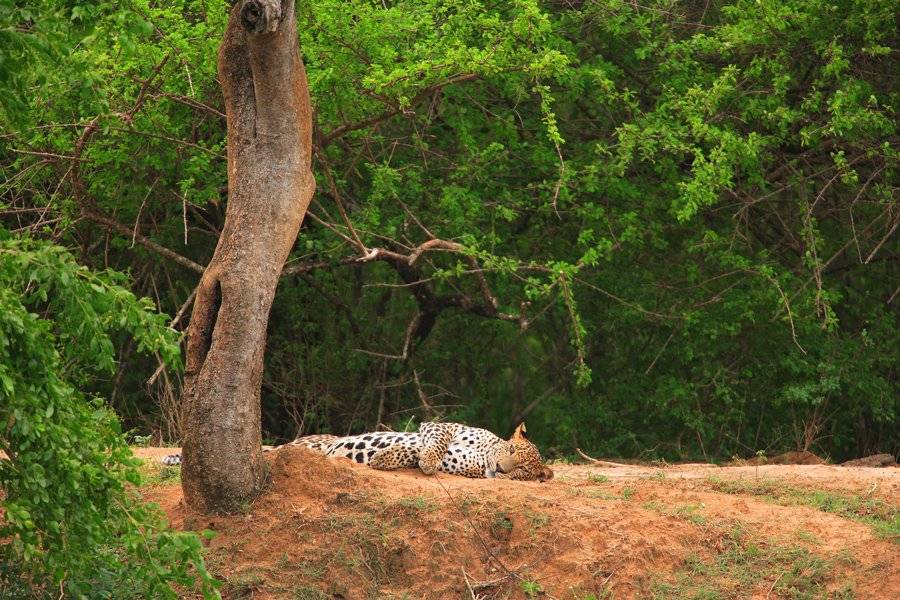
{"points": [[300, 473], [788, 458], [876, 460], [334, 529]]}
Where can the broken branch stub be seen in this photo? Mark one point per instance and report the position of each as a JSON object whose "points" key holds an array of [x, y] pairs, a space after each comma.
{"points": [[258, 16]]}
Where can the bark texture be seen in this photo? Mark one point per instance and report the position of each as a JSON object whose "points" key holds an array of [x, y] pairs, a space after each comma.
{"points": [[270, 184]]}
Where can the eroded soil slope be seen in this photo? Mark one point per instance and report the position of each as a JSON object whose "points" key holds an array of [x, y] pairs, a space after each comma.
{"points": [[334, 529]]}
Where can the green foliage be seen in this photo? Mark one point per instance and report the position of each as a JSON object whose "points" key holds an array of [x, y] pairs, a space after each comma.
{"points": [[531, 589], [72, 521], [48, 31], [692, 206]]}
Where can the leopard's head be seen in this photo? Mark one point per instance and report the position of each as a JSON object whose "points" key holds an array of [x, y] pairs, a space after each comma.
{"points": [[521, 459]]}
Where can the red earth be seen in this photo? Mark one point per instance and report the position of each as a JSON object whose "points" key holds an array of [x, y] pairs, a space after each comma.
{"points": [[335, 529]]}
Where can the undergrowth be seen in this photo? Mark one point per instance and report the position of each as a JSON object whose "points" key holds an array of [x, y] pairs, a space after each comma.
{"points": [[744, 565], [73, 523]]}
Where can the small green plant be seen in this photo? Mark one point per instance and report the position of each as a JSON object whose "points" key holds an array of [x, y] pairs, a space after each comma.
{"points": [[417, 504], [628, 493], [140, 441], [154, 475], [806, 536], [537, 520], [598, 479], [689, 512], [244, 584], [743, 565], [531, 588], [761, 458], [467, 503], [501, 526], [502, 521], [367, 546], [599, 494], [311, 570]]}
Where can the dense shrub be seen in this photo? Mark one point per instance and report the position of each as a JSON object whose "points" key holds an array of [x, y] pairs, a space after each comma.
{"points": [[72, 522]]}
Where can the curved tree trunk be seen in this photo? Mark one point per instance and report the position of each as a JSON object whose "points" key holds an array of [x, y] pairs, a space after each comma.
{"points": [[270, 184]]}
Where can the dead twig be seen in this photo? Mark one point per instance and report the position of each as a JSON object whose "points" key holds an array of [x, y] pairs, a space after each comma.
{"points": [[46, 154], [787, 306], [472, 593], [661, 350], [178, 316], [601, 463], [476, 586], [774, 583], [881, 243]]}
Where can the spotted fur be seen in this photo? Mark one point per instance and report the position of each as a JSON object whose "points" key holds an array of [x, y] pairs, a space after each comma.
{"points": [[447, 447]]}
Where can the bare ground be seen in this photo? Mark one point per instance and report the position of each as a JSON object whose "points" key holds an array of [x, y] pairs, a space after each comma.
{"points": [[334, 529]]}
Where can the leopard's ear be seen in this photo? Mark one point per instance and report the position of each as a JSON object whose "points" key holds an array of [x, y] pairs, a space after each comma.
{"points": [[519, 433]]}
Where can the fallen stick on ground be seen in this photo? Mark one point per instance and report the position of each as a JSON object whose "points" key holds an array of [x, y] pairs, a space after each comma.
{"points": [[602, 463]]}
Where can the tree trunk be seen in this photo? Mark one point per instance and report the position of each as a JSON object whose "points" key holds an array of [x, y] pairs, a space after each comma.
{"points": [[270, 184]]}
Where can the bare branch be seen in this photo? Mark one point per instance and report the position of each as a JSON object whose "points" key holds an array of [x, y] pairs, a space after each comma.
{"points": [[432, 245], [128, 117], [600, 463], [881, 243], [101, 218], [45, 154], [192, 103], [336, 196]]}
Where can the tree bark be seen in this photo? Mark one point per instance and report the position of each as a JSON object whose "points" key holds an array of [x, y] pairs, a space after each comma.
{"points": [[270, 185]]}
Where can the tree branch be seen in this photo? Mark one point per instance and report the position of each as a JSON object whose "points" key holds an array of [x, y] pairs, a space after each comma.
{"points": [[599, 463], [101, 218]]}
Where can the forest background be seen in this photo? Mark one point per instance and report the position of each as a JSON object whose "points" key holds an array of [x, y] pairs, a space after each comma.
{"points": [[660, 229]]}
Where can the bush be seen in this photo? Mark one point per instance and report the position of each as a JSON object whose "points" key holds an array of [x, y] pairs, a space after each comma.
{"points": [[72, 522]]}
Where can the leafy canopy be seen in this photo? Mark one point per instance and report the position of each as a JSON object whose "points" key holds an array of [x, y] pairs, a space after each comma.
{"points": [[691, 206]]}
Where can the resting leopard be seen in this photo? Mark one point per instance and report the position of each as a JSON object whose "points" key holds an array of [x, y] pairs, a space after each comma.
{"points": [[447, 447]]}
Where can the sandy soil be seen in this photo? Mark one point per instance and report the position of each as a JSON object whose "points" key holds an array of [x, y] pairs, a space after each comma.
{"points": [[334, 529]]}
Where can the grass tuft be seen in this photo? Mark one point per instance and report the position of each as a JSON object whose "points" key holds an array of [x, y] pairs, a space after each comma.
{"points": [[745, 565]]}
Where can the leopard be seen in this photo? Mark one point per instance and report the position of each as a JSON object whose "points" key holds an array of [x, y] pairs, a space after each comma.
{"points": [[451, 448]]}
